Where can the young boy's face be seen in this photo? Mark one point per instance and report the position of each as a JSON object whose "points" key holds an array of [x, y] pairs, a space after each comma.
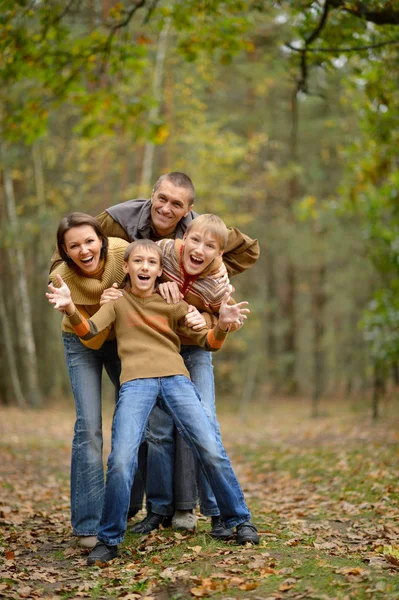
{"points": [[200, 249], [143, 267]]}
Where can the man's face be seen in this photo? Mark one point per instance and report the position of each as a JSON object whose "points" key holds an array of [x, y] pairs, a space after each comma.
{"points": [[169, 205]]}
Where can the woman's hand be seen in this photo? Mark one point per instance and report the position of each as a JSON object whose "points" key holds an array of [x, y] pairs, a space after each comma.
{"points": [[60, 296], [194, 319], [231, 314], [112, 293], [170, 292]]}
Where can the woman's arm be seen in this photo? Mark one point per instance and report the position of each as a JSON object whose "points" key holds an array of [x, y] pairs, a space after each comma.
{"points": [[85, 328]]}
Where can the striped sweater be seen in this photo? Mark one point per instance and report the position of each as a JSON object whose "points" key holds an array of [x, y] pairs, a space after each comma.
{"points": [[147, 334]]}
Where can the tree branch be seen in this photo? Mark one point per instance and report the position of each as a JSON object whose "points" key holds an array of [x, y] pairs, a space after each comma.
{"points": [[386, 15], [320, 26], [349, 49]]}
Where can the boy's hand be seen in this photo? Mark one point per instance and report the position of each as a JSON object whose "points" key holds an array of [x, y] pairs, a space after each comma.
{"points": [[221, 275], [231, 314], [61, 297], [112, 293], [194, 319], [170, 292]]}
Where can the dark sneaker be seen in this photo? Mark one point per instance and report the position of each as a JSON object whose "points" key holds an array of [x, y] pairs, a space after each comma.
{"points": [[102, 553], [246, 532], [167, 522], [152, 521], [219, 530]]}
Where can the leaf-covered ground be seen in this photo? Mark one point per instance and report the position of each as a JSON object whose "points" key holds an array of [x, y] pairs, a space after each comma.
{"points": [[324, 494]]}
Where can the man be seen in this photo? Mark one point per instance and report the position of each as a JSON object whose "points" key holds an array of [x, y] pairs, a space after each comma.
{"points": [[167, 215]]}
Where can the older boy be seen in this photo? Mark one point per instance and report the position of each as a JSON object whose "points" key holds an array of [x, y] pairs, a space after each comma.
{"points": [[188, 266], [148, 346]]}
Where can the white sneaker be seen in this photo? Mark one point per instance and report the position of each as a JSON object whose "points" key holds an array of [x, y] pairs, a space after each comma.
{"points": [[87, 541], [184, 520]]}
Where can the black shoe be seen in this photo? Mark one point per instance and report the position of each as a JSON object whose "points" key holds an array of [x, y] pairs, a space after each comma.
{"points": [[152, 521], [167, 522], [219, 530], [102, 553], [246, 532]]}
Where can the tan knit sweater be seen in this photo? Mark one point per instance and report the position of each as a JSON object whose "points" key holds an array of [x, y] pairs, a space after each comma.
{"points": [[86, 291], [146, 333]]}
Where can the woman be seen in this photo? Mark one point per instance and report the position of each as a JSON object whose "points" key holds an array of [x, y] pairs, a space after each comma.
{"points": [[92, 264]]}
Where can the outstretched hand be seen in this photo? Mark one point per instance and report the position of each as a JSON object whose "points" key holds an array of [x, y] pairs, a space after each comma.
{"points": [[60, 297], [231, 314]]}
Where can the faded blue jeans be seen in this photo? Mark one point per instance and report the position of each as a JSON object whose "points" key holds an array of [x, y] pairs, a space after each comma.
{"points": [[85, 367], [178, 396], [174, 478]]}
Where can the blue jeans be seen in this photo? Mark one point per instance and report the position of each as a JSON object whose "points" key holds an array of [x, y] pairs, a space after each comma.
{"points": [[180, 399], [173, 473], [85, 367]]}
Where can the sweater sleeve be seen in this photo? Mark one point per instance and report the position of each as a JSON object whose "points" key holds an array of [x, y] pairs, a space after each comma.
{"points": [[110, 227], [89, 328], [210, 339], [241, 252]]}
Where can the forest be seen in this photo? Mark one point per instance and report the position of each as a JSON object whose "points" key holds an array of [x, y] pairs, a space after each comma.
{"points": [[285, 116]]}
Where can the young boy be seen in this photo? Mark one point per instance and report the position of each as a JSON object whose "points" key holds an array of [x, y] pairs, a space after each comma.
{"points": [[174, 480], [148, 346]]}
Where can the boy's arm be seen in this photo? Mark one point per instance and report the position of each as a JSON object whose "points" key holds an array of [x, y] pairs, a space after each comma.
{"points": [[241, 252], [60, 298], [212, 339]]}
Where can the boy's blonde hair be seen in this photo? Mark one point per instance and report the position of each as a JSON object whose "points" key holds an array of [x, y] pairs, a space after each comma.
{"points": [[213, 225]]}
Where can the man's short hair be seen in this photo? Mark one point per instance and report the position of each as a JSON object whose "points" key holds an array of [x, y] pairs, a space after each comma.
{"points": [[213, 225], [178, 180]]}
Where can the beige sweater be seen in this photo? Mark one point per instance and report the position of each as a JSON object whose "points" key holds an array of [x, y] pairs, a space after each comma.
{"points": [[147, 334]]}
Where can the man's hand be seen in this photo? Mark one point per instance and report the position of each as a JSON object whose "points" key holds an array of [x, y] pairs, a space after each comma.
{"points": [[194, 319], [170, 292], [61, 297], [231, 314], [112, 293]]}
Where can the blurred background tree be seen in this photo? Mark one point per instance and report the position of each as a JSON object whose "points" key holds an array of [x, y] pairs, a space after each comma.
{"points": [[284, 114]]}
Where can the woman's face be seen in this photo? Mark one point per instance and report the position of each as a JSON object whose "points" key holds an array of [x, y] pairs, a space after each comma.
{"points": [[83, 246]]}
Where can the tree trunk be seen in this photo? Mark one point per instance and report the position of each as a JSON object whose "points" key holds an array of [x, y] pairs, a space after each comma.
{"points": [[23, 309], [318, 308], [289, 288], [148, 159], [9, 348]]}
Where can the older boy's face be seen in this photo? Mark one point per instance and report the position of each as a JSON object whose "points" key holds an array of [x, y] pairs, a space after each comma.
{"points": [[169, 204], [143, 266], [200, 249]]}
